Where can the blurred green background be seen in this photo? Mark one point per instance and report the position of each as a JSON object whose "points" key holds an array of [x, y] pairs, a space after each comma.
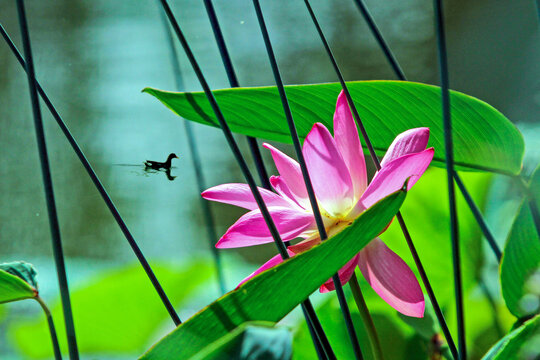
{"points": [[94, 57]]}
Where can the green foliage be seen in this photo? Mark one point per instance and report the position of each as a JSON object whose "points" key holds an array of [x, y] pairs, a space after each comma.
{"points": [[486, 322], [250, 341], [114, 312], [274, 293], [17, 282], [523, 343], [428, 326], [483, 138], [398, 341], [520, 266]]}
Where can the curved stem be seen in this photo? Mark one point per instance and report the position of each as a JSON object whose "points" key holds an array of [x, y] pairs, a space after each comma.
{"points": [[366, 318], [52, 329]]}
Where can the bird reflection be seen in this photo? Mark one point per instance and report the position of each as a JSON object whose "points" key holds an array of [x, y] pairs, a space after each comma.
{"points": [[167, 172], [169, 176]]}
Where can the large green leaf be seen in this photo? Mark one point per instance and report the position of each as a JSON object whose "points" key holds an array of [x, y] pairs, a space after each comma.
{"points": [[255, 340], [521, 258], [522, 343], [483, 138], [274, 293], [13, 287], [116, 312]]}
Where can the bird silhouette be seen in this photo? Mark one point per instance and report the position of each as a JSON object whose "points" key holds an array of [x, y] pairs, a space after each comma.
{"points": [[160, 165]]}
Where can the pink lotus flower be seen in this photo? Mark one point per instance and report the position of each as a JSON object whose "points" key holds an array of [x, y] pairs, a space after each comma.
{"points": [[338, 172]]}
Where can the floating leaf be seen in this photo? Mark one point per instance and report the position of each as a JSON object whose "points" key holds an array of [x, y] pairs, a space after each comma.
{"points": [[274, 293], [483, 138], [520, 266], [17, 281], [250, 341], [522, 343]]}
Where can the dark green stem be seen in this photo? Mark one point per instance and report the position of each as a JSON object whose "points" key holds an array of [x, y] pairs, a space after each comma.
{"points": [[52, 329], [366, 318]]}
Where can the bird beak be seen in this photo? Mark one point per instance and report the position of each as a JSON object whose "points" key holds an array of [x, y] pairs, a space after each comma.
{"points": [[176, 157]]}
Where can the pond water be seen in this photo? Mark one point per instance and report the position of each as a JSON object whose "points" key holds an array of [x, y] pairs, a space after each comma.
{"points": [[94, 57]]}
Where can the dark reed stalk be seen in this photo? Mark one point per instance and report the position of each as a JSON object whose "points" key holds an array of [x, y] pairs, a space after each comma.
{"points": [[48, 187], [380, 39], [255, 151], [353, 282], [99, 186], [196, 161], [479, 219], [52, 329], [244, 168], [233, 81], [401, 76], [318, 336], [311, 194], [431, 294], [449, 152], [412, 248]]}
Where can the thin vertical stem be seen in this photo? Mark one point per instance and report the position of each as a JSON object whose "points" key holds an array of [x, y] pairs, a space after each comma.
{"points": [[52, 329], [97, 183], [449, 152], [309, 187], [412, 248], [366, 318], [233, 81], [479, 219], [244, 168], [196, 161], [48, 186]]}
